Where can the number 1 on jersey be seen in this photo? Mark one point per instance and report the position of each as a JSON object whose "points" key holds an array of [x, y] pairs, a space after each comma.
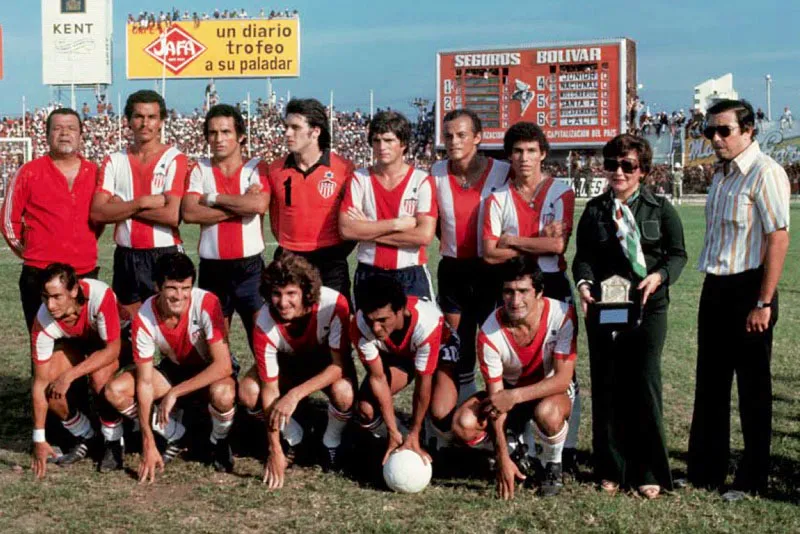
{"points": [[287, 187]]}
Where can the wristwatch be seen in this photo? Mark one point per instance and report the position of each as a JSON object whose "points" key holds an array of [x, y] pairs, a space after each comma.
{"points": [[761, 304]]}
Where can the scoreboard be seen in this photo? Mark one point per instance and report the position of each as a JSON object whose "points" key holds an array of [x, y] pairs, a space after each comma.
{"points": [[577, 92]]}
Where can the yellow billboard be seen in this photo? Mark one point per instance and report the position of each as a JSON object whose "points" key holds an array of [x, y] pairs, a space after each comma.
{"points": [[230, 48]]}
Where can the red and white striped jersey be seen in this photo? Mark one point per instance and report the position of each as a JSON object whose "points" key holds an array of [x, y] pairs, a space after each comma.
{"points": [[507, 212], [501, 358], [461, 210], [327, 330], [237, 237], [415, 195], [122, 175], [188, 343], [99, 314], [421, 342]]}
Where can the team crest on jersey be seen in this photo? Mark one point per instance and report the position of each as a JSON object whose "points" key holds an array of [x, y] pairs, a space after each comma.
{"points": [[159, 180], [194, 335], [409, 206], [327, 187]]}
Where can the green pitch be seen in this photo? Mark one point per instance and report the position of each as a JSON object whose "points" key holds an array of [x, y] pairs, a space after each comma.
{"points": [[192, 497]]}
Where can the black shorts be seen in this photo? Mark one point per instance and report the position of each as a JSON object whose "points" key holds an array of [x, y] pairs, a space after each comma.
{"points": [[30, 290], [415, 280], [294, 369], [235, 283], [133, 272], [175, 374], [331, 262], [521, 413], [467, 286], [556, 286], [388, 360]]}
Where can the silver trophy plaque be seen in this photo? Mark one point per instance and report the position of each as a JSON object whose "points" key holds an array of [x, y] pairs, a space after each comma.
{"points": [[615, 306]]}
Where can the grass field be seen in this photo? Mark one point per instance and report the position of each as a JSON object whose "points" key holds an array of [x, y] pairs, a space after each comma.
{"points": [[193, 498]]}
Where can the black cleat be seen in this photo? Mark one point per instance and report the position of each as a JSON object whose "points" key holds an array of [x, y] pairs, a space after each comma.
{"points": [[171, 451], [332, 459], [112, 457], [77, 453], [551, 480], [222, 457]]}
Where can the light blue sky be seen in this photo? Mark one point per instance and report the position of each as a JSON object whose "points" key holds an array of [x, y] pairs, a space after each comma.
{"points": [[352, 46]]}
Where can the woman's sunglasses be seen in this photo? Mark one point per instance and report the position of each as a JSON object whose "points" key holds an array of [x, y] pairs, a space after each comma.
{"points": [[611, 165]]}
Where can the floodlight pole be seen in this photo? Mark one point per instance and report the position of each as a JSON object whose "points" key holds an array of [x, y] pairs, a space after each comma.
{"points": [[24, 119], [768, 79], [249, 152], [330, 119], [119, 120]]}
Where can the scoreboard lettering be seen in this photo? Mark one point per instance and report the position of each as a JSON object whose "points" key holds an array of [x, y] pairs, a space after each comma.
{"points": [[577, 92]]}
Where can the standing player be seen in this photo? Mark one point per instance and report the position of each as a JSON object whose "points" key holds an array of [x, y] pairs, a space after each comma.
{"points": [[533, 215], [226, 196], [306, 188], [85, 313], [140, 190], [463, 181], [527, 352], [302, 345], [397, 339], [46, 210], [185, 324], [390, 209]]}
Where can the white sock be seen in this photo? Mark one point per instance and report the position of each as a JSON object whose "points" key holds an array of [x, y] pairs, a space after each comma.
{"points": [[443, 439], [467, 387], [132, 413], [112, 431], [575, 422], [529, 439], [551, 446], [221, 423], [256, 413], [337, 421], [174, 429], [293, 432], [79, 426], [376, 427]]}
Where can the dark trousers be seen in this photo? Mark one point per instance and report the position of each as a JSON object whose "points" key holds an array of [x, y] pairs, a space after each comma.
{"points": [[30, 290], [627, 411], [235, 283], [724, 348]]}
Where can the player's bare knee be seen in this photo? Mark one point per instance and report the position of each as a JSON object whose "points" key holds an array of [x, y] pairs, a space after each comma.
{"points": [[465, 422], [249, 393], [548, 416], [441, 411], [223, 394], [118, 391], [342, 395], [59, 407], [366, 411]]}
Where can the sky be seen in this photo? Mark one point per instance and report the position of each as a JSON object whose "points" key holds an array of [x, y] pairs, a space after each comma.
{"points": [[352, 46]]}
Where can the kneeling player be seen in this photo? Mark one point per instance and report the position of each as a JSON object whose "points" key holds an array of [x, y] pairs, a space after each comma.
{"points": [[85, 312], [301, 345], [397, 339], [185, 324], [527, 356]]}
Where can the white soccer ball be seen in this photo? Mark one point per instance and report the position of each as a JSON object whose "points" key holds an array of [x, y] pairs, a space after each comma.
{"points": [[406, 472]]}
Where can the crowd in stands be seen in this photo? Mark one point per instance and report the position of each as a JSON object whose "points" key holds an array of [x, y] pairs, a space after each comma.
{"points": [[147, 19], [102, 136]]}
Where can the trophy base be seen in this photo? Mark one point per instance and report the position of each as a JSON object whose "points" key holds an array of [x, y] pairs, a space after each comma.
{"points": [[615, 315]]}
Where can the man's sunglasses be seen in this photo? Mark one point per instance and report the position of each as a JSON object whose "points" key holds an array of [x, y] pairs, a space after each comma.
{"points": [[723, 131], [611, 165]]}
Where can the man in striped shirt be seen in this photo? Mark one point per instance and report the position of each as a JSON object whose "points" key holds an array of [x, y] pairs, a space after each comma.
{"points": [[747, 224], [140, 189], [227, 196]]}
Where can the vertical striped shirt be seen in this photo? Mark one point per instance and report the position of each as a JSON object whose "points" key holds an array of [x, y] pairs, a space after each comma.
{"points": [[744, 206]]}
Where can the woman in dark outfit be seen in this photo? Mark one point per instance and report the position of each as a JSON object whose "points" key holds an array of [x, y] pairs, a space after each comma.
{"points": [[630, 232]]}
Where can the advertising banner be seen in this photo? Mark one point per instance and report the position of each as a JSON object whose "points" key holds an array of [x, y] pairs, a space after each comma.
{"points": [[76, 42], [229, 48]]}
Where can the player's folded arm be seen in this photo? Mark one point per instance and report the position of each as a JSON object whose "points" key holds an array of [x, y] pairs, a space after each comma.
{"points": [[421, 235]]}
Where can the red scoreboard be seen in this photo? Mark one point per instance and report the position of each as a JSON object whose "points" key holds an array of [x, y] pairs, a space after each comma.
{"points": [[578, 92]]}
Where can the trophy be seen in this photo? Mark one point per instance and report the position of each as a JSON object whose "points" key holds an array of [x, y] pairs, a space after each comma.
{"points": [[615, 309]]}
